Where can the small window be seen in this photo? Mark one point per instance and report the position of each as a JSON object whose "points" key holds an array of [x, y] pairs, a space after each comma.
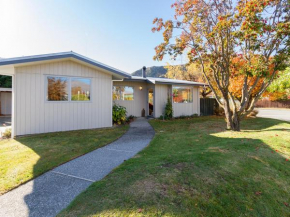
{"points": [[123, 93], [182, 94], [80, 89], [57, 89]]}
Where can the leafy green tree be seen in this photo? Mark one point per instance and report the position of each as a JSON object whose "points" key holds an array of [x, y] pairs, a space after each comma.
{"points": [[5, 81], [280, 88]]}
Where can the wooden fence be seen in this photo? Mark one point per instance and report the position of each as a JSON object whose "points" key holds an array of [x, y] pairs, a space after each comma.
{"points": [[207, 106], [273, 104]]}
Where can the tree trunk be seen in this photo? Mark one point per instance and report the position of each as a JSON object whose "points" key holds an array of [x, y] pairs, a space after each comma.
{"points": [[228, 119], [228, 114], [232, 119], [236, 123]]}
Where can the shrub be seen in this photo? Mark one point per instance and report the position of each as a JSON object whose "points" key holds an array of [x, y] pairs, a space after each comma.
{"points": [[187, 116], [161, 117], [183, 117], [130, 118], [7, 133], [168, 114], [119, 114]]}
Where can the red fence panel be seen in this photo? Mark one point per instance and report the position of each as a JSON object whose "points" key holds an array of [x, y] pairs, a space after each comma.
{"points": [[273, 104]]}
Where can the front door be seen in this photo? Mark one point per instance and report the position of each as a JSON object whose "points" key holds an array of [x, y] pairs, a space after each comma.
{"points": [[150, 101]]}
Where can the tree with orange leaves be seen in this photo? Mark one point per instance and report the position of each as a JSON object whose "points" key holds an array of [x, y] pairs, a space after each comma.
{"points": [[240, 67], [223, 34]]}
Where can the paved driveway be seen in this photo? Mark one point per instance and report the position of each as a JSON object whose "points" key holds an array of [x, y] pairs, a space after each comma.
{"points": [[280, 114], [48, 194]]}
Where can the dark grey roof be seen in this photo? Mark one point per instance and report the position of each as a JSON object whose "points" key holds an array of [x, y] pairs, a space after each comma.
{"points": [[36, 58], [164, 81]]}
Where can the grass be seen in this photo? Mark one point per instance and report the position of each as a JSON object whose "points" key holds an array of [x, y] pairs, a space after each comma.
{"points": [[196, 168], [24, 158]]}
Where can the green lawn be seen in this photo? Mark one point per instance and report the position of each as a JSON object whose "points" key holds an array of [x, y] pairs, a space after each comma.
{"points": [[25, 158], [196, 168]]}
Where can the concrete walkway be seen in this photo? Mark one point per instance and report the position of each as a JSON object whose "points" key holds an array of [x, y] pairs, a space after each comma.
{"points": [[48, 194]]}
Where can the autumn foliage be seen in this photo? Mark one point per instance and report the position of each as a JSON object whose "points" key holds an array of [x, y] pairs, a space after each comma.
{"points": [[239, 45], [240, 67]]}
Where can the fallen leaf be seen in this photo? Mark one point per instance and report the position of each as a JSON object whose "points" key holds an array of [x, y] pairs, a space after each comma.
{"points": [[258, 193], [140, 210]]}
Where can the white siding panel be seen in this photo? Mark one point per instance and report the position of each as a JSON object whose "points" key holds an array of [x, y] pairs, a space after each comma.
{"points": [[33, 103], [135, 106], [161, 94], [180, 109], [37, 100], [35, 115]]}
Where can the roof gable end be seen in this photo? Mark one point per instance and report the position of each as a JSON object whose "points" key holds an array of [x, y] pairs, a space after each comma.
{"points": [[64, 55]]}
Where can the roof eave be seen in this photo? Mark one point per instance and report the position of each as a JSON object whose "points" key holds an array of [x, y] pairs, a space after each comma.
{"points": [[173, 83], [40, 58]]}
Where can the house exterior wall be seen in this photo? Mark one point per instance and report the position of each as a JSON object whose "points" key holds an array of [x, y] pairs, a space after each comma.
{"points": [[139, 102], [180, 109], [6, 103], [33, 114], [161, 94]]}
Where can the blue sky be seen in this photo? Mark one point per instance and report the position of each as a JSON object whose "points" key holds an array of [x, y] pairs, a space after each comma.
{"points": [[114, 32]]}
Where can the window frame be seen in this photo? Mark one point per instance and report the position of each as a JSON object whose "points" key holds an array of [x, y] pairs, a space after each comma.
{"points": [[69, 89], [90, 89], [123, 99], [191, 89]]}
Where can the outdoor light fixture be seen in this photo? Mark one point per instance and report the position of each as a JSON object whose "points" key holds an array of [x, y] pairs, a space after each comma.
{"points": [[140, 88]]}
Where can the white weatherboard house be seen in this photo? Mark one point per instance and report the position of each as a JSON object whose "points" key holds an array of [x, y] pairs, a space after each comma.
{"points": [[67, 91]]}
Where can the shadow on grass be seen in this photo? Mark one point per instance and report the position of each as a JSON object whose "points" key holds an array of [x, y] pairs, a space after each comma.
{"points": [[261, 124], [196, 168], [45, 152]]}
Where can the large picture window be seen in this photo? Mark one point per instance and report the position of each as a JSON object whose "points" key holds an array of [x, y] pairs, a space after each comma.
{"points": [[58, 89], [182, 94], [80, 89], [123, 93]]}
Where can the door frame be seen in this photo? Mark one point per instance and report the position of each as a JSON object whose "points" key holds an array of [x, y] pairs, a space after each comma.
{"points": [[153, 114]]}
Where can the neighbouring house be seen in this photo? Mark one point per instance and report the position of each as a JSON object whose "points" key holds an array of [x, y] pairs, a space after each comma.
{"points": [[5, 109], [67, 91], [5, 101]]}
